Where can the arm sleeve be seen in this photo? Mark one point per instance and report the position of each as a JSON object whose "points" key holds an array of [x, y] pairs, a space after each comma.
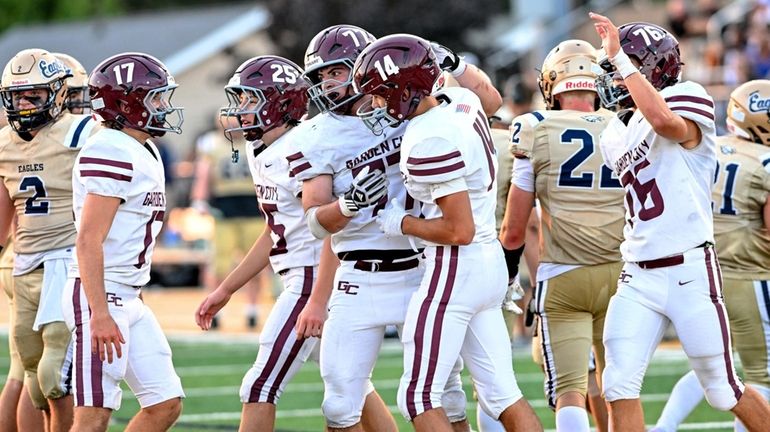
{"points": [[523, 175], [105, 171], [512, 259]]}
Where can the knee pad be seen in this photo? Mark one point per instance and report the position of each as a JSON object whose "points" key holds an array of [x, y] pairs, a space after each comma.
{"points": [[33, 388], [55, 365], [618, 385], [340, 412], [721, 385], [454, 401]]}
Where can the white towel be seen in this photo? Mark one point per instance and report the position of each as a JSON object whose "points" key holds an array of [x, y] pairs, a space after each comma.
{"points": [[54, 279]]}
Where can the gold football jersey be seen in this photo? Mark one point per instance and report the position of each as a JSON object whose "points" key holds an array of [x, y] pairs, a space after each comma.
{"points": [[582, 203], [38, 176], [740, 192], [227, 178]]}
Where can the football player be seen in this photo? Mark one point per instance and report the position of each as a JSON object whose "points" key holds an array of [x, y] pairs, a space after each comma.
{"points": [[663, 149], [37, 153], [268, 98], [449, 165], [581, 223], [223, 187], [119, 202], [741, 199], [376, 275], [77, 85]]}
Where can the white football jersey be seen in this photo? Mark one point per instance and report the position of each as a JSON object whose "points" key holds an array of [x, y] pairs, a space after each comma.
{"points": [[278, 197], [668, 188], [114, 164], [341, 146], [449, 149]]}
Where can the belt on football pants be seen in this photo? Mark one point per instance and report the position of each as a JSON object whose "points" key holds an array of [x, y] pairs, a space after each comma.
{"points": [[386, 266], [669, 260]]}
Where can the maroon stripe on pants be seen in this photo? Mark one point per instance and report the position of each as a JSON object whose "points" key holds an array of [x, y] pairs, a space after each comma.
{"points": [[78, 343], [722, 315], [419, 332], [438, 326], [307, 285], [283, 337]]}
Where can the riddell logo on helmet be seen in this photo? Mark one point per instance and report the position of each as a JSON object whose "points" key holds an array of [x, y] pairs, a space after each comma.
{"points": [[579, 85]]}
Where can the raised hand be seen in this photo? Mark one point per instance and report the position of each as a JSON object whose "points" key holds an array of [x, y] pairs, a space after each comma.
{"points": [[608, 32], [446, 58]]}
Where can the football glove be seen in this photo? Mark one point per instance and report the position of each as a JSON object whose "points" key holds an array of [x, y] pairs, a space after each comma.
{"points": [[389, 219], [515, 292], [448, 60], [367, 188]]}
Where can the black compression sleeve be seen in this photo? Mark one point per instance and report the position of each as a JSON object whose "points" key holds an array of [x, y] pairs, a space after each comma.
{"points": [[512, 258]]}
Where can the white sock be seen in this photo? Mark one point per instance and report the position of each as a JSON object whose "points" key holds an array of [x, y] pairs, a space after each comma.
{"points": [[685, 396], [485, 423], [572, 418]]}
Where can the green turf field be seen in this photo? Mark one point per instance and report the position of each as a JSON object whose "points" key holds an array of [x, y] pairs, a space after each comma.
{"points": [[211, 373]]}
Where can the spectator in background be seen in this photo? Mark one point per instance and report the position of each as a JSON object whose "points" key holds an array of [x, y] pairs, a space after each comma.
{"points": [[224, 188]]}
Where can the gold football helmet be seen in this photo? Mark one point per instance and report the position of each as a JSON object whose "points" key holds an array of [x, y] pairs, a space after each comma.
{"points": [[569, 66], [28, 71], [77, 85], [747, 112]]}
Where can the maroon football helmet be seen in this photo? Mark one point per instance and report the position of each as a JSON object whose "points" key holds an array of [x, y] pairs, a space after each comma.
{"points": [[134, 90], [339, 44], [400, 68], [270, 88], [655, 51]]}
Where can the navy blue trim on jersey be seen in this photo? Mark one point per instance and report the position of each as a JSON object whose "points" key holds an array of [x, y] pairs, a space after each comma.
{"points": [[78, 131], [538, 116]]}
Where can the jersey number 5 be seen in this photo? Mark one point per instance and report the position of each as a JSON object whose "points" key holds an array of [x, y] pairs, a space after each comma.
{"points": [[35, 205]]}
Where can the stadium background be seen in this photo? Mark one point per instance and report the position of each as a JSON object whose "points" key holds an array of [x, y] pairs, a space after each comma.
{"points": [[202, 42]]}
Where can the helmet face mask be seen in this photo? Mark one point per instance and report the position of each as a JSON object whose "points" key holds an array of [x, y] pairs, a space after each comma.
{"points": [[77, 85], [264, 93], [612, 93], [748, 111], [653, 50], [33, 69], [340, 46], [244, 103], [134, 90]]}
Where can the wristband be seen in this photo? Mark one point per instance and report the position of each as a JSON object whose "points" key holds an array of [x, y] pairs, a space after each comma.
{"points": [[623, 64], [460, 69]]}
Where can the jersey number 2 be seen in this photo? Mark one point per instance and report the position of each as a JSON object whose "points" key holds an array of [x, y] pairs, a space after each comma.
{"points": [[35, 205]]}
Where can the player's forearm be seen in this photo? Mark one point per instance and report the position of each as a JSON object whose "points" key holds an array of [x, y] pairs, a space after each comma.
{"points": [[439, 230], [254, 262], [517, 211], [90, 256], [331, 218], [475, 80], [324, 283]]}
